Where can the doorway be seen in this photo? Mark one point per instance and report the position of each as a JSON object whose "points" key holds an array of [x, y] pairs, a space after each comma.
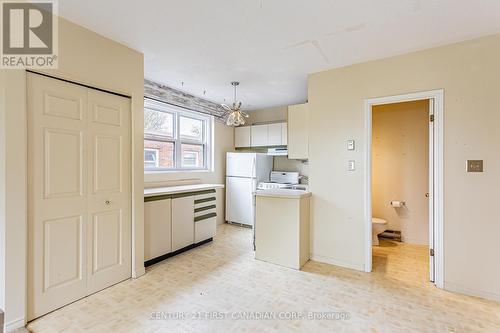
{"points": [[434, 102]]}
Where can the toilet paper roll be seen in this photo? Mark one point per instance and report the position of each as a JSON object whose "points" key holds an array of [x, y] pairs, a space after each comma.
{"points": [[397, 204]]}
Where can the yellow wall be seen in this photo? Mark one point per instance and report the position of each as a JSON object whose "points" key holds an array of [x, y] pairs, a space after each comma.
{"points": [[87, 58], [468, 73], [400, 167]]}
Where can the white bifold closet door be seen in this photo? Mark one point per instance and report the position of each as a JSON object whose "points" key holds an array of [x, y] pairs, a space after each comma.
{"points": [[79, 188]]}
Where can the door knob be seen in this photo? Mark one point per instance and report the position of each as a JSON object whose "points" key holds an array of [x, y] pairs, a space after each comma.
{"points": [[107, 202], [427, 194]]}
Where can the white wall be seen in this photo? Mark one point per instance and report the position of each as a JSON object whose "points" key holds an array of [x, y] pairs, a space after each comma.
{"points": [[88, 58], [468, 73], [223, 142], [400, 167]]}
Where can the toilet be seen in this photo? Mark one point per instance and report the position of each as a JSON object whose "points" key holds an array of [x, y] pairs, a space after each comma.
{"points": [[378, 227]]}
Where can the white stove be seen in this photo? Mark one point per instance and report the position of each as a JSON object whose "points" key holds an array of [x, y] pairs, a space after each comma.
{"points": [[280, 179]]}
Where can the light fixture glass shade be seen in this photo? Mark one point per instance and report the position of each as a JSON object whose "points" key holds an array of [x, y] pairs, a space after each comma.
{"points": [[235, 117]]}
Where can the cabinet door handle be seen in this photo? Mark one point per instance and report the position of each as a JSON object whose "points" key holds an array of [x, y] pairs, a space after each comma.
{"points": [[107, 202]]}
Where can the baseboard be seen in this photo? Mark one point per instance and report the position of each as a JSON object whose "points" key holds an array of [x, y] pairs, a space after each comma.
{"points": [[14, 325], [457, 288], [332, 261], [138, 272]]}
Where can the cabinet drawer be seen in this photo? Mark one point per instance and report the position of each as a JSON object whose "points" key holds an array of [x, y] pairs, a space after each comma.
{"points": [[209, 209], [204, 229]]}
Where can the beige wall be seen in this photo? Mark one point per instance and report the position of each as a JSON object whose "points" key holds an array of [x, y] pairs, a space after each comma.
{"points": [[468, 73], [223, 142], [88, 58], [267, 115], [400, 167], [2, 190]]}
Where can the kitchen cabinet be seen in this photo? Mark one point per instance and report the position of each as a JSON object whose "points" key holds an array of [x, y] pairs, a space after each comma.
{"points": [[267, 135], [182, 222], [274, 134], [259, 135], [242, 136], [284, 134], [282, 227], [298, 132], [157, 228]]}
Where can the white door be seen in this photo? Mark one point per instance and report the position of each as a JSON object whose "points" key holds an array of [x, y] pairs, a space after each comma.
{"points": [[182, 222], [57, 194], [284, 134], [72, 239], [109, 198], [430, 196], [239, 200], [240, 164]]}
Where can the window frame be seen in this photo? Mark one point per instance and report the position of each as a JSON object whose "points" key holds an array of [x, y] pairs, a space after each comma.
{"points": [[206, 142]]}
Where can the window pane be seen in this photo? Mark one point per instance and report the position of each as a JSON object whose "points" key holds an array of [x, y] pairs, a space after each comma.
{"points": [[191, 129], [192, 156], [158, 123], [158, 154]]}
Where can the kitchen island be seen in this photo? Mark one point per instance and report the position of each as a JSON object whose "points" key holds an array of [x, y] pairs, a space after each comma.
{"points": [[282, 227]]}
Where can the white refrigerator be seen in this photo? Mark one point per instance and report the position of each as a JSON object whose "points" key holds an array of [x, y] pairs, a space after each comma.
{"points": [[243, 172]]}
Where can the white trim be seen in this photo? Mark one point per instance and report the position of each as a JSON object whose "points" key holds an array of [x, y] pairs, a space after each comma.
{"points": [[138, 272], [331, 261], [13, 325], [438, 97]]}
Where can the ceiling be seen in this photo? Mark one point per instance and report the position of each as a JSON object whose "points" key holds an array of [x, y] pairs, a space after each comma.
{"points": [[200, 46]]}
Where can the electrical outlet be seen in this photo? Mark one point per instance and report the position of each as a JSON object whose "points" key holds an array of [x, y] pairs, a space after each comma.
{"points": [[474, 165]]}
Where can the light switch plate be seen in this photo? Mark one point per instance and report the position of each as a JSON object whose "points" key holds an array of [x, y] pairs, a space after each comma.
{"points": [[351, 165], [474, 165], [350, 144]]}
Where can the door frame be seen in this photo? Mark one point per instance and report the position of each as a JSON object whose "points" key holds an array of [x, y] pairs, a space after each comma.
{"points": [[437, 96]]}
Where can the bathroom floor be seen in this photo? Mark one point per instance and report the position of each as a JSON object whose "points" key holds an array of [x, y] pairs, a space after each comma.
{"points": [[402, 261], [211, 288]]}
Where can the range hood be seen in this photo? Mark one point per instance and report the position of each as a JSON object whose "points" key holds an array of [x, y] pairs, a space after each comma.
{"points": [[279, 151]]}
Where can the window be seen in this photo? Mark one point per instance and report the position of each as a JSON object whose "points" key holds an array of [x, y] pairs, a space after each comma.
{"points": [[175, 139]]}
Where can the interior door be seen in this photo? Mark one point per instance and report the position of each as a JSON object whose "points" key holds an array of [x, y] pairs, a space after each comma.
{"points": [[431, 189], [79, 192], [109, 183], [57, 190]]}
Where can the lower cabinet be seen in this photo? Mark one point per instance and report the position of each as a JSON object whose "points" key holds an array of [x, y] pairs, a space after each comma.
{"points": [[182, 222], [176, 222], [157, 228]]}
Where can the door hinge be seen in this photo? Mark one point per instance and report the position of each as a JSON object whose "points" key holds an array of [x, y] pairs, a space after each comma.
{"points": [[431, 252], [431, 118]]}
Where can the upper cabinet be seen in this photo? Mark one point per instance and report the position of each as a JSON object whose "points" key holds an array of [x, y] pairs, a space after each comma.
{"points": [[266, 135], [298, 132], [259, 135], [242, 136]]}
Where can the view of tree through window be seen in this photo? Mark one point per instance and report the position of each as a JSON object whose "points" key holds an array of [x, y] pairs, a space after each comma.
{"points": [[174, 139]]}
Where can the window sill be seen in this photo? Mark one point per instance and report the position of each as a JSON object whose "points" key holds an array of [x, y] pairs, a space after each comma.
{"points": [[153, 172]]}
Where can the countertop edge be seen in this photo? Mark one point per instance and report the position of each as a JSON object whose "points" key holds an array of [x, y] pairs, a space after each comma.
{"points": [[283, 195], [180, 189]]}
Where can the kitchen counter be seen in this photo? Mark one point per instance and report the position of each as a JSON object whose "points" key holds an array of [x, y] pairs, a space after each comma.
{"points": [[151, 192], [283, 193]]}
